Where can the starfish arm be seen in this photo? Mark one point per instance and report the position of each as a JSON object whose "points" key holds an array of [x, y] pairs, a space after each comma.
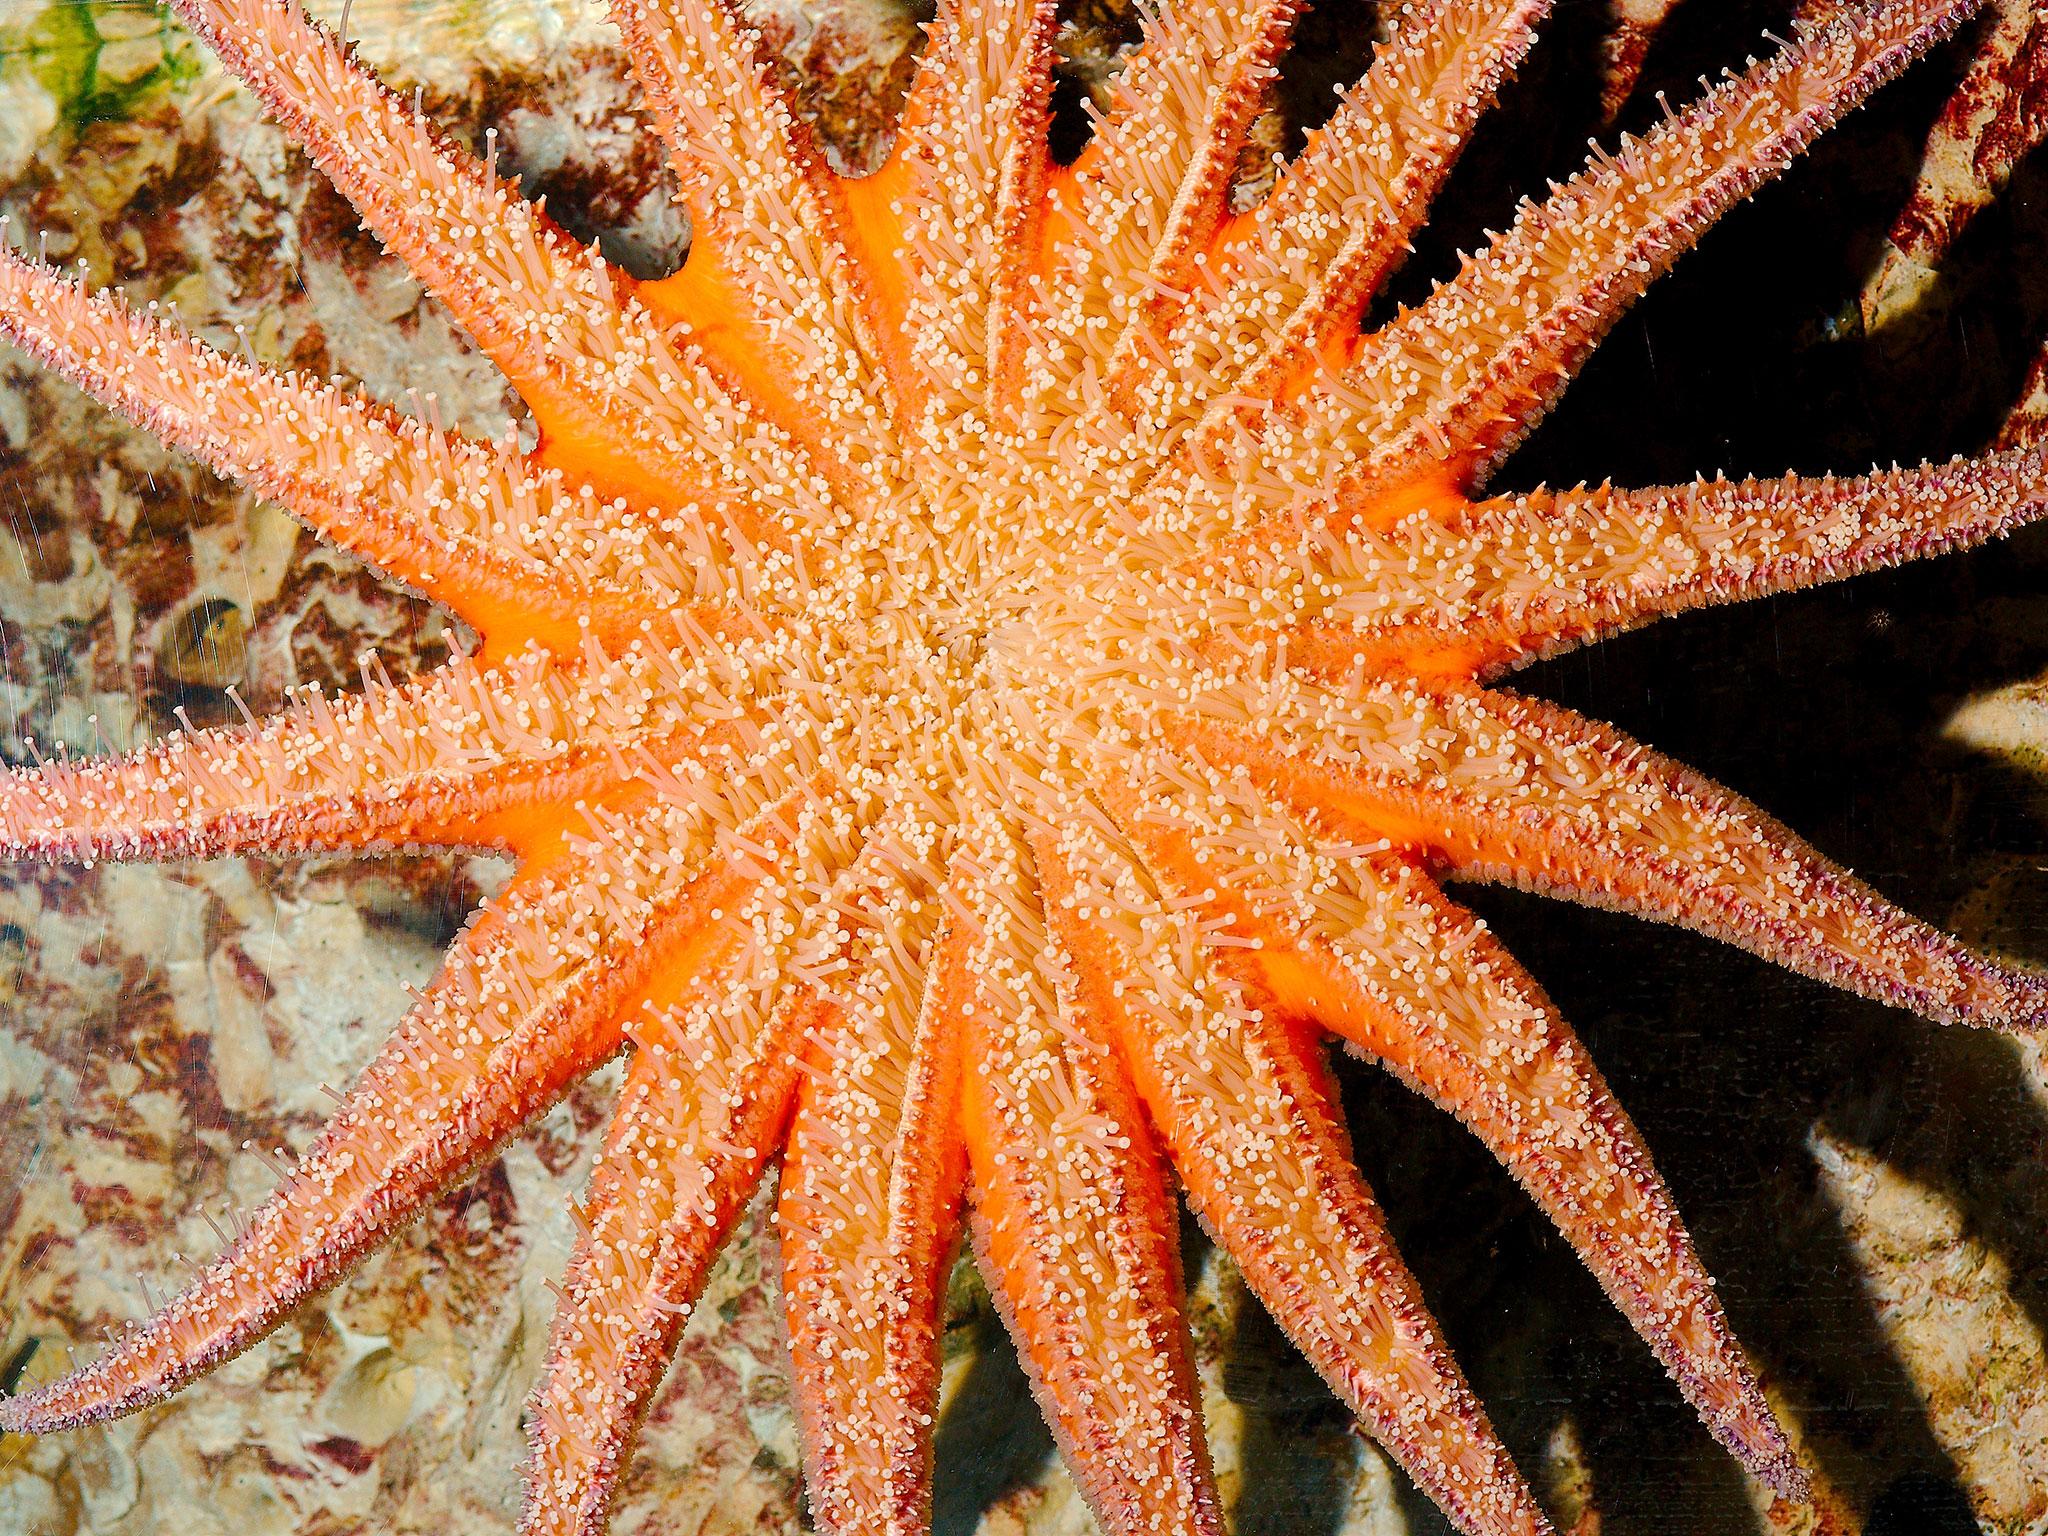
{"points": [[973, 165], [616, 401], [1367, 946], [1456, 589], [868, 1214], [1075, 1233], [1141, 207], [417, 763], [1289, 279], [495, 755], [528, 1001], [1248, 1117], [1507, 788], [1614, 559], [470, 524], [1444, 391], [770, 288], [705, 1104]]}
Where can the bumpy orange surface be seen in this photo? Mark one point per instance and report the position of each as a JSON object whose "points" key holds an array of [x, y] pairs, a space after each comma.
{"points": [[984, 670]]}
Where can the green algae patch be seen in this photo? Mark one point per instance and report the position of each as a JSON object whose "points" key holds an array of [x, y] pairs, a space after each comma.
{"points": [[93, 62]]}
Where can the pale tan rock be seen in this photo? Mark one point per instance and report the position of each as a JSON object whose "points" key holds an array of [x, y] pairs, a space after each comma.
{"points": [[129, 60]]}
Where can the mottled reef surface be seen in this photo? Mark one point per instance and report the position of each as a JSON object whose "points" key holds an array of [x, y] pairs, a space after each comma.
{"points": [[1871, 1191]]}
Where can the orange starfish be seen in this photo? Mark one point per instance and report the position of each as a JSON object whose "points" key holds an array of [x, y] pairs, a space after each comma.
{"points": [[983, 668]]}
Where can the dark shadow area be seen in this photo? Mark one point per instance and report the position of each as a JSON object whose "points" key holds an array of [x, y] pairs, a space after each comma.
{"points": [[1538, 1340], [1917, 1505], [1296, 1440], [1825, 708], [991, 1440], [1751, 356], [1830, 720], [1697, 42], [1726, 1068], [1094, 39], [1331, 48]]}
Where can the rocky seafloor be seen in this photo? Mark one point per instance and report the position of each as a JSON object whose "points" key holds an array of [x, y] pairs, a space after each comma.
{"points": [[1871, 1190]]}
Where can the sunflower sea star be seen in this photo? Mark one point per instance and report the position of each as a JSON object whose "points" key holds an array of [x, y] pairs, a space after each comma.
{"points": [[984, 666]]}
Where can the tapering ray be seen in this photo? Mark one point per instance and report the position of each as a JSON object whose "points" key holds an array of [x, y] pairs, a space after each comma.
{"points": [[1507, 788], [720, 1032], [1457, 589], [470, 524], [770, 288], [618, 404], [1075, 1233], [1248, 1116], [528, 1001], [1365, 944], [679, 1162], [1141, 206], [1289, 279], [972, 160], [1445, 390], [441, 759], [870, 1196]]}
